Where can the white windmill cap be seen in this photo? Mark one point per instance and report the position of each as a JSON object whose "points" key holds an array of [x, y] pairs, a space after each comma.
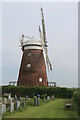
{"points": [[31, 41]]}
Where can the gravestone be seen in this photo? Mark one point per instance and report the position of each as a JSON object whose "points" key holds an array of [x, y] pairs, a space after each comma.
{"points": [[38, 96], [5, 100], [11, 106], [43, 100], [38, 101], [35, 101], [48, 98], [24, 103], [3, 108], [26, 97], [18, 105], [20, 99], [16, 97], [53, 97], [9, 96], [10, 99]]}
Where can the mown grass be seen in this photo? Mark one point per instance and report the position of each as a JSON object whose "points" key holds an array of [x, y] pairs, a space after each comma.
{"points": [[52, 109]]}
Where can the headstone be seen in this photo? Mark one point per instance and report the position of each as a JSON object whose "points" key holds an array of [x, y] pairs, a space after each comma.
{"points": [[3, 108], [38, 101], [48, 98], [53, 97], [14, 100], [26, 97], [20, 99], [43, 99], [16, 97], [24, 103], [10, 100], [11, 106], [35, 101], [18, 105], [5, 100], [38, 96], [9, 96]]}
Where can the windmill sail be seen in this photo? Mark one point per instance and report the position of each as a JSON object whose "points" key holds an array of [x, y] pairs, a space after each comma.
{"points": [[44, 41]]}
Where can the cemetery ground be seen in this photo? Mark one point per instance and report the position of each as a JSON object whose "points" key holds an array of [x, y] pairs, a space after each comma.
{"points": [[48, 109]]}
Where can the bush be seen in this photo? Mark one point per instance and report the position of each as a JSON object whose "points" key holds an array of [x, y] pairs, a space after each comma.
{"points": [[76, 96], [23, 91]]}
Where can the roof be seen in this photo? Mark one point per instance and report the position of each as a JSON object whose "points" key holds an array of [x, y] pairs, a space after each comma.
{"points": [[31, 41]]}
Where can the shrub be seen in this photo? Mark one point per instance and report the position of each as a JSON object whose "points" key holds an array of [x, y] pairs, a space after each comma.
{"points": [[23, 91], [76, 96]]}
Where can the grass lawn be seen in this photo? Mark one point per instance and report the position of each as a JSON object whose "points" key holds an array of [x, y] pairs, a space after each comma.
{"points": [[52, 109]]}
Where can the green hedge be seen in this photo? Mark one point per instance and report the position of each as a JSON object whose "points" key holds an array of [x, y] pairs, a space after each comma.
{"points": [[79, 103], [23, 91], [76, 96]]}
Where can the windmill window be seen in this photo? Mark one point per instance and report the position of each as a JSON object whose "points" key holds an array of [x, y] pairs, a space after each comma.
{"points": [[40, 79], [28, 65], [29, 54]]}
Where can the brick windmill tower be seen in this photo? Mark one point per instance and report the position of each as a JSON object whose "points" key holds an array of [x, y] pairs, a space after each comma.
{"points": [[33, 68]]}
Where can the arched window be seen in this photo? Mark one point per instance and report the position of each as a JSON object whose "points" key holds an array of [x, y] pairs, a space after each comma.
{"points": [[28, 65], [40, 79], [29, 54]]}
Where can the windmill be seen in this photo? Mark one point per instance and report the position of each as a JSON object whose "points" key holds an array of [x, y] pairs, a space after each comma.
{"points": [[44, 41], [32, 70]]}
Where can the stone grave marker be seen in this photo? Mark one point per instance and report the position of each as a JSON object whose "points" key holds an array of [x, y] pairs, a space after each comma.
{"points": [[26, 97], [9, 96], [38, 101], [24, 103], [20, 99], [16, 97], [35, 101], [38, 96], [11, 106], [5, 100], [18, 105], [53, 97], [3, 108], [48, 98], [10, 100], [43, 100]]}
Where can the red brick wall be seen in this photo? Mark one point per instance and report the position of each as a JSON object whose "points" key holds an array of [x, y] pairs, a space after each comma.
{"points": [[30, 76]]}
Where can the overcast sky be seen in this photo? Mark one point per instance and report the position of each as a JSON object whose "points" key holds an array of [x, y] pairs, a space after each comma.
{"points": [[61, 21]]}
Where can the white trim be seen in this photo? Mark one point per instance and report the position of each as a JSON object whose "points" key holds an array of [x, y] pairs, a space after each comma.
{"points": [[33, 47], [32, 41]]}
